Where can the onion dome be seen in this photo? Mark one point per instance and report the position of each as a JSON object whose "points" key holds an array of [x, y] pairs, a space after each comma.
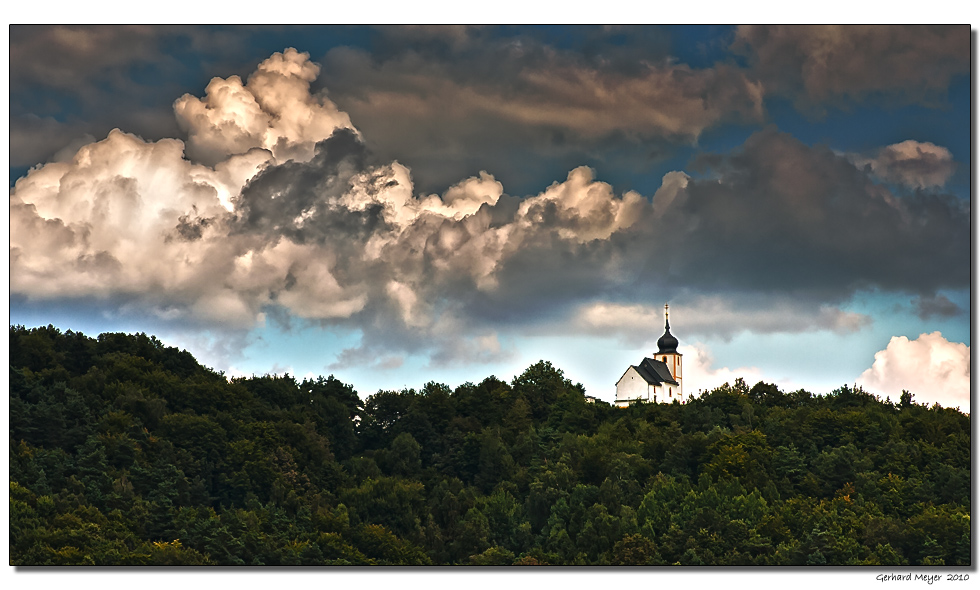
{"points": [[667, 342]]}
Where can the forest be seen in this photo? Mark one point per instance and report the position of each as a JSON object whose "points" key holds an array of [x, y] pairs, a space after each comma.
{"points": [[124, 451]]}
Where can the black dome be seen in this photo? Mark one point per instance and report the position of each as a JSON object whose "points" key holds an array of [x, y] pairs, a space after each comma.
{"points": [[667, 342]]}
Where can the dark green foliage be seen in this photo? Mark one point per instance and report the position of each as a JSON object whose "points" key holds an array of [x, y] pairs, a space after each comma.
{"points": [[125, 451]]}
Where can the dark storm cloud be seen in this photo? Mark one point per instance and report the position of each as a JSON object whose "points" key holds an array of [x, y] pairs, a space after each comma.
{"points": [[66, 80], [71, 56], [451, 101], [35, 139], [449, 105], [775, 217], [935, 306], [69, 82], [775, 237], [272, 201], [780, 216], [191, 228], [818, 65]]}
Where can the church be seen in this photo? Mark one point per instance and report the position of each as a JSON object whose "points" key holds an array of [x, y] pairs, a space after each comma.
{"points": [[657, 379]]}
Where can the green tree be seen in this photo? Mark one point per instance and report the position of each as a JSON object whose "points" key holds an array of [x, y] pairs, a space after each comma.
{"points": [[404, 456], [634, 550]]}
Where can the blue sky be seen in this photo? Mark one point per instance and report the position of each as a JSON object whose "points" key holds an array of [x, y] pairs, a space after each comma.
{"points": [[398, 205]]}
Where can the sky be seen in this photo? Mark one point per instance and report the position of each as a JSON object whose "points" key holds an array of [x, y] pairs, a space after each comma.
{"points": [[395, 205]]}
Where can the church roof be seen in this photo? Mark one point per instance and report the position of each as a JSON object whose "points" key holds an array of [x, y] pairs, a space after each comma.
{"points": [[654, 372]]}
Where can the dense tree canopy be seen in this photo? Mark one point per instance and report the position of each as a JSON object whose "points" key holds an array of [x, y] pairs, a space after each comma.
{"points": [[126, 451]]}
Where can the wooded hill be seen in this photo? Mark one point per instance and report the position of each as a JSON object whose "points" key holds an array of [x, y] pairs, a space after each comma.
{"points": [[125, 451]]}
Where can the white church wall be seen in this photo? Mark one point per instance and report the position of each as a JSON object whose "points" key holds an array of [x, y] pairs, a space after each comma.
{"points": [[631, 386]]}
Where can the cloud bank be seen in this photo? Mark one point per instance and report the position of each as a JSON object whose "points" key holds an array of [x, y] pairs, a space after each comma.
{"points": [[451, 101], [837, 64], [275, 208]]}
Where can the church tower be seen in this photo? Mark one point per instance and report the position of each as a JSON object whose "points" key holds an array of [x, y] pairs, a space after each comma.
{"points": [[668, 354], [654, 380]]}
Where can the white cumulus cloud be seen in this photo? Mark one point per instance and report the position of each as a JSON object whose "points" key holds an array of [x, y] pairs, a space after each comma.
{"points": [[701, 374], [934, 369], [274, 203], [274, 110], [912, 163]]}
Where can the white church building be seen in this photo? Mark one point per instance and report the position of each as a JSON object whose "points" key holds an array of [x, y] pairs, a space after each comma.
{"points": [[656, 379]]}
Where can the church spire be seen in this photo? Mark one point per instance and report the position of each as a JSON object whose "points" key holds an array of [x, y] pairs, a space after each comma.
{"points": [[667, 342]]}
